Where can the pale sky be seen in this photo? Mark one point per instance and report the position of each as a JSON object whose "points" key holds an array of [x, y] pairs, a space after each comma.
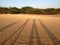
{"points": [[32, 3]]}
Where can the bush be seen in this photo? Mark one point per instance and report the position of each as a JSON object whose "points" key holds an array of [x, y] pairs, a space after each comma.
{"points": [[29, 10]]}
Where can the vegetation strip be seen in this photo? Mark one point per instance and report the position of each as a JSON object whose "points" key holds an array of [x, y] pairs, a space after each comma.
{"points": [[8, 26], [51, 35], [14, 32], [28, 10], [32, 33]]}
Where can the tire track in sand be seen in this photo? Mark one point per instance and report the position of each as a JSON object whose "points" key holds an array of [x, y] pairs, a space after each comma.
{"points": [[8, 26], [51, 35], [22, 26], [34, 28]]}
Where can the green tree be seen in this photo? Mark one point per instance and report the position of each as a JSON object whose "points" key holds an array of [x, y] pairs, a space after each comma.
{"points": [[51, 11], [26, 9], [14, 10], [3, 10]]}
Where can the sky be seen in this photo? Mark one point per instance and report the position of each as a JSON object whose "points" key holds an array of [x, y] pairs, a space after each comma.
{"points": [[31, 3]]}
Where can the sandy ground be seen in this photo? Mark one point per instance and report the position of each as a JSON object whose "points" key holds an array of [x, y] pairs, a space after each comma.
{"points": [[29, 29]]}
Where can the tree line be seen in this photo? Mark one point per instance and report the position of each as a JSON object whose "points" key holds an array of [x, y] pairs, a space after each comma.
{"points": [[28, 10]]}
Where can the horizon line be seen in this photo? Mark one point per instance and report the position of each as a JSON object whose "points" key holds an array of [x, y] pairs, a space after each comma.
{"points": [[28, 6]]}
